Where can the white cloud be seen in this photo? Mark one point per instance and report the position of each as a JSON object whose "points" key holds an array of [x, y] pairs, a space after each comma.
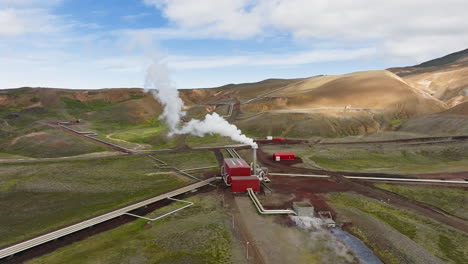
{"points": [[268, 59], [28, 16], [234, 19], [400, 27], [10, 23]]}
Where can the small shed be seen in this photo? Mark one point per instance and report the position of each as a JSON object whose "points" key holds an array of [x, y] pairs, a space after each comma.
{"points": [[278, 156], [303, 208], [279, 139]]}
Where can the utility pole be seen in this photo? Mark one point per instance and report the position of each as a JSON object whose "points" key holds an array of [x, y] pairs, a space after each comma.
{"points": [[247, 250]]}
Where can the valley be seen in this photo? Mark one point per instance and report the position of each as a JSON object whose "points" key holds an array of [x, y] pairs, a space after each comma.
{"points": [[69, 155]]}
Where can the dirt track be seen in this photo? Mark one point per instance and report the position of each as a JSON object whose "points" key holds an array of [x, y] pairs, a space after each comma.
{"points": [[242, 230]]}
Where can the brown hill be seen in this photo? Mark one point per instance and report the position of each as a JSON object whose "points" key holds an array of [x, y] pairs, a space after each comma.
{"points": [[461, 109], [438, 124], [444, 78], [372, 89]]}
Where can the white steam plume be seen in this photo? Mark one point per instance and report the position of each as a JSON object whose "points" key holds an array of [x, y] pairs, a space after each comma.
{"points": [[158, 78], [215, 124]]}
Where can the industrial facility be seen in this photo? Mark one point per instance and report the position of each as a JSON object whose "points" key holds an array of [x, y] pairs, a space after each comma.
{"points": [[241, 176]]}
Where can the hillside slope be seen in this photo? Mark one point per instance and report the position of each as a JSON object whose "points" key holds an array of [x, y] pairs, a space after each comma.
{"points": [[461, 109], [371, 89], [445, 78], [26, 112]]}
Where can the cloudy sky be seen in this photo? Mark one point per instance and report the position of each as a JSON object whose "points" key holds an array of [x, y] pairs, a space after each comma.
{"points": [[108, 43]]}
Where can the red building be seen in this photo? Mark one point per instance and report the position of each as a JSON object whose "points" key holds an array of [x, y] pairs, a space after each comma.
{"points": [[279, 139], [237, 174], [283, 156], [241, 184], [235, 167]]}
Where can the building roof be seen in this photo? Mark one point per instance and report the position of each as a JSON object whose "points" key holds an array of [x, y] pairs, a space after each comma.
{"points": [[243, 178], [236, 163], [283, 153]]}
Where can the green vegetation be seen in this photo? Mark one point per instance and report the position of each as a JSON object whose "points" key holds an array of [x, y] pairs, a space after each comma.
{"points": [[17, 92], [137, 134], [386, 255], [453, 201], [420, 229], [396, 122], [9, 110], [10, 156], [78, 106], [59, 193], [392, 160], [447, 246], [46, 142], [152, 133], [209, 140], [197, 234], [186, 160], [106, 117]]}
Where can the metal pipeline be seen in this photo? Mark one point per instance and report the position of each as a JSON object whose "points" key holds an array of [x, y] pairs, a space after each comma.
{"points": [[262, 210], [166, 214]]}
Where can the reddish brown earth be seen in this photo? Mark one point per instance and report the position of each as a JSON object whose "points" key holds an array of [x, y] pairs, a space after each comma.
{"points": [[305, 189], [445, 175], [286, 167], [284, 142]]}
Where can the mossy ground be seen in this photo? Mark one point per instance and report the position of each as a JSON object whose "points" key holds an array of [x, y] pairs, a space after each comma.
{"points": [[430, 159], [422, 230], [197, 234], [451, 200], [38, 197]]}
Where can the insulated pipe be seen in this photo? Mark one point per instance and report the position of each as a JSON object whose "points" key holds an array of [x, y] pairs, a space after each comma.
{"points": [[262, 210], [166, 214], [374, 178]]}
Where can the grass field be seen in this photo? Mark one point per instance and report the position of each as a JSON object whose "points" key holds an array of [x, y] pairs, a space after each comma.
{"points": [[402, 160], [10, 156], [429, 234], [197, 234], [188, 160], [152, 133], [209, 140], [453, 201], [48, 142], [39, 197]]}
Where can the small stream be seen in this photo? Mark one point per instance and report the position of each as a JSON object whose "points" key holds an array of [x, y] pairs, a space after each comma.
{"points": [[360, 250]]}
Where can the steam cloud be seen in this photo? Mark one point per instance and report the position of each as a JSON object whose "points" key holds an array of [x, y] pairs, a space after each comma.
{"points": [[158, 79], [215, 124]]}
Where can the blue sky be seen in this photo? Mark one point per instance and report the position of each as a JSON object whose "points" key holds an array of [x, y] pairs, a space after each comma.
{"points": [[206, 43]]}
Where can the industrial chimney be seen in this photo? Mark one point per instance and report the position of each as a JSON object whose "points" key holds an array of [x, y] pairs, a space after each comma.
{"points": [[254, 160]]}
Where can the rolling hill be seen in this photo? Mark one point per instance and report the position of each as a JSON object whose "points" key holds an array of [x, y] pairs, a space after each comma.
{"points": [[445, 78], [372, 89], [417, 97], [461, 109]]}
